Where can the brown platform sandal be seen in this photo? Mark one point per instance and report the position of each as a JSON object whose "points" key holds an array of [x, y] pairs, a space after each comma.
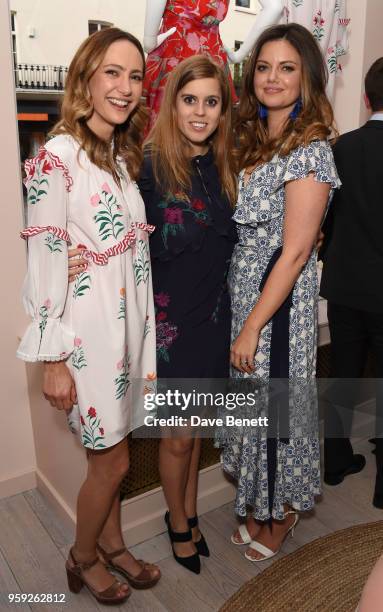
{"points": [[76, 581], [144, 580]]}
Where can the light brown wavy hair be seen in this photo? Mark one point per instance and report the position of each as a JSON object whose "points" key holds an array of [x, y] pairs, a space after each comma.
{"points": [[170, 149], [314, 122], [77, 107]]}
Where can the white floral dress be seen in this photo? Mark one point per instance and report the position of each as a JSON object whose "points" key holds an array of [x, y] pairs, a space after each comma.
{"points": [[103, 323], [327, 21]]}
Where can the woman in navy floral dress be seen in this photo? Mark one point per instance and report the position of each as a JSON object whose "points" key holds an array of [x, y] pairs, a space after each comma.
{"points": [[188, 185], [287, 178], [191, 250]]}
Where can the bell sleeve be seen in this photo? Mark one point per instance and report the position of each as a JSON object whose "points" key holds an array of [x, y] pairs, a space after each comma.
{"points": [[45, 287]]}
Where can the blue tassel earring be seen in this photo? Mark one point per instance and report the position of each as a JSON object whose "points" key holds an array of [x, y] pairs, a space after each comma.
{"points": [[297, 109], [262, 111]]}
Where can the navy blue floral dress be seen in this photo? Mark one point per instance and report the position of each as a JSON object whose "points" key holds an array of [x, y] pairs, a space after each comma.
{"points": [[191, 249]]}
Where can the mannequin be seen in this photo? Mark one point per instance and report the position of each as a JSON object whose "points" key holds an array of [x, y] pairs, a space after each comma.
{"points": [[190, 27], [271, 13]]}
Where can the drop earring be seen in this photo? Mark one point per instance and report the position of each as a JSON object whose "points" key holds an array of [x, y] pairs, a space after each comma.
{"points": [[262, 111], [297, 109]]}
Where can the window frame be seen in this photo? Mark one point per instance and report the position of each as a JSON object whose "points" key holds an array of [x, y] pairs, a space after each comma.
{"points": [[13, 29], [244, 9], [100, 25]]}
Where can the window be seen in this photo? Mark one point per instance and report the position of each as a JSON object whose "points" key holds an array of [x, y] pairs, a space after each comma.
{"points": [[95, 26], [242, 3], [237, 68], [13, 34]]}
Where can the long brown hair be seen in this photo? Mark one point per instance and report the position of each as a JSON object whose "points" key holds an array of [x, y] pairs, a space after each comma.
{"points": [[170, 149], [314, 121], [77, 107]]}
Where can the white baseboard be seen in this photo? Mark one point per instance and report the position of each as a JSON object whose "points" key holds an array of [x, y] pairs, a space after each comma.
{"points": [[17, 484], [56, 501], [142, 516]]}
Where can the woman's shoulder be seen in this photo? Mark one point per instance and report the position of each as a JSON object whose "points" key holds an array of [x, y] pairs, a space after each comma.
{"points": [[312, 148], [310, 154], [315, 157], [146, 180], [63, 146]]}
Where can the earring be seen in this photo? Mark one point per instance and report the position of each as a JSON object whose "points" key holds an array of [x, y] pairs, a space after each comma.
{"points": [[262, 111], [297, 109]]}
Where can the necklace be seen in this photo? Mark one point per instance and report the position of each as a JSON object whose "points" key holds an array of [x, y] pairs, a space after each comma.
{"points": [[202, 181]]}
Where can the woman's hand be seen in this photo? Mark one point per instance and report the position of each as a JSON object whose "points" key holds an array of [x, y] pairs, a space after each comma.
{"points": [[243, 349], [320, 239], [58, 385], [76, 264], [152, 42]]}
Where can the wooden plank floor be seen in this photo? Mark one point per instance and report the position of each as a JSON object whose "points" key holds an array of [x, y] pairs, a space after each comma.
{"points": [[34, 544]]}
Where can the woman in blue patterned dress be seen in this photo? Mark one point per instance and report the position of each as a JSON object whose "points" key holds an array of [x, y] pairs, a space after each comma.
{"points": [[285, 184]]}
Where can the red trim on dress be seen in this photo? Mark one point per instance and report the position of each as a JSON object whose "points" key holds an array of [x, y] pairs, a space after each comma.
{"points": [[101, 259], [30, 166], [38, 229]]}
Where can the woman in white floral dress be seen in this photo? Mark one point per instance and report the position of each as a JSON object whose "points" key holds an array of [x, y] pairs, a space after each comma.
{"points": [[96, 337], [285, 184]]}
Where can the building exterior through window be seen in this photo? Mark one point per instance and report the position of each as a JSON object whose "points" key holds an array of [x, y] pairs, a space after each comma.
{"points": [[96, 26]]}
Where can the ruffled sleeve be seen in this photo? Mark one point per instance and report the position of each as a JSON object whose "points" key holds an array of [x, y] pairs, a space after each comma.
{"points": [[316, 158], [263, 198], [45, 288]]}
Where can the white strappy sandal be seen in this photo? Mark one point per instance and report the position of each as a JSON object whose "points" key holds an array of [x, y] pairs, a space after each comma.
{"points": [[244, 533], [267, 552]]}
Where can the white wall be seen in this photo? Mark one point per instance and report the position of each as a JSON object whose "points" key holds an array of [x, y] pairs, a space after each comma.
{"points": [[238, 23], [61, 25], [17, 453]]}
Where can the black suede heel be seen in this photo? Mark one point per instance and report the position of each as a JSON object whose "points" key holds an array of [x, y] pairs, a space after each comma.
{"points": [[201, 545], [192, 563]]}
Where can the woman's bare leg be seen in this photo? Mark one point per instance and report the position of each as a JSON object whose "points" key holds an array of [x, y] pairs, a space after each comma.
{"points": [[174, 461], [191, 490], [111, 539], [106, 469]]}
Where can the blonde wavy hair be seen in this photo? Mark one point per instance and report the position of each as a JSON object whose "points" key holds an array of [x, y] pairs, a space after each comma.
{"points": [[315, 121], [170, 149], [77, 107]]}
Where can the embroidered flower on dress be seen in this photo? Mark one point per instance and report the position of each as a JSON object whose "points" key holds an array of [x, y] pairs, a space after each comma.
{"points": [[173, 216], [105, 187], [198, 205], [162, 299], [95, 200]]}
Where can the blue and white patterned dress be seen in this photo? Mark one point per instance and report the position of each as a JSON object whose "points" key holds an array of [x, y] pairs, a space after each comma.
{"points": [[259, 215]]}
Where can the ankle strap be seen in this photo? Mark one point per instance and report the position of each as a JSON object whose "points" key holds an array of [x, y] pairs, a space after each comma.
{"points": [[85, 565], [193, 521], [111, 555], [179, 536]]}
